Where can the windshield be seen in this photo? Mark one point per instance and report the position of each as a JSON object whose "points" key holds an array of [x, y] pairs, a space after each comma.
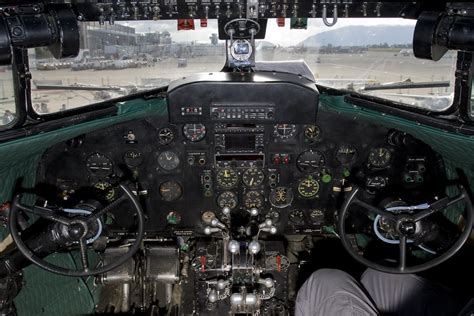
{"points": [[7, 96], [370, 56]]}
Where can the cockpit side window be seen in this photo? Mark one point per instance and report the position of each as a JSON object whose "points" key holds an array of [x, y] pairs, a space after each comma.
{"points": [[8, 112]]}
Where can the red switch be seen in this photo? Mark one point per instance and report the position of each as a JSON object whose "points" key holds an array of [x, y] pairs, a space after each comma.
{"points": [[203, 22], [278, 263], [276, 159], [185, 24], [286, 160], [203, 263], [281, 22]]}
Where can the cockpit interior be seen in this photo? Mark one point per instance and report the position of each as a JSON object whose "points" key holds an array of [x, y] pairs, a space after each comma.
{"points": [[197, 157]]}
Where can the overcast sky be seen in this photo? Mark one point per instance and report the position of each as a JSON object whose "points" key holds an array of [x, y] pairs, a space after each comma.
{"points": [[278, 35]]}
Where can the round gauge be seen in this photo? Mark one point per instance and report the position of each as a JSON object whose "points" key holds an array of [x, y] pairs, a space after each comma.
{"points": [[316, 216], [253, 199], [194, 132], [281, 197], [133, 158], [227, 199], [227, 178], [308, 187], [165, 135], [284, 131], [312, 132], [296, 217], [310, 161], [168, 160], [346, 154], [374, 183], [170, 191], [380, 157], [106, 189], [253, 177], [99, 165]]}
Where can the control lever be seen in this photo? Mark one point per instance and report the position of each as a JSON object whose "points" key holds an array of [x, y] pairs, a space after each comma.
{"points": [[267, 226], [267, 282]]}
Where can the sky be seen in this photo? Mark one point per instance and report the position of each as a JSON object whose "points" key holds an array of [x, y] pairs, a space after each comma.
{"points": [[279, 35]]}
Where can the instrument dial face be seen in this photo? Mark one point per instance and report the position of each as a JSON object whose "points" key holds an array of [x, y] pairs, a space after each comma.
{"points": [[380, 157], [312, 132], [168, 160], [227, 199], [310, 161], [346, 154], [253, 199], [316, 216], [194, 132], [133, 158], [253, 177], [165, 135], [99, 165], [227, 178], [284, 131], [281, 197], [374, 183], [106, 189], [296, 217], [308, 187], [170, 191]]}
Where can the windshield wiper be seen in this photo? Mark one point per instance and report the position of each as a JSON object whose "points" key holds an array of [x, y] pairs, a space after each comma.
{"points": [[406, 85]]}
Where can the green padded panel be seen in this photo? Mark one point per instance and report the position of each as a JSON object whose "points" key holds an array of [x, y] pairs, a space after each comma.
{"points": [[20, 157], [49, 294]]}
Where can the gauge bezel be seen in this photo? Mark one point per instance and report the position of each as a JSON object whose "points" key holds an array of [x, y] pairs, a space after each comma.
{"points": [[192, 138], [175, 197], [233, 196], [279, 136], [94, 173], [258, 171], [234, 177], [321, 163], [176, 158], [166, 142], [313, 180]]}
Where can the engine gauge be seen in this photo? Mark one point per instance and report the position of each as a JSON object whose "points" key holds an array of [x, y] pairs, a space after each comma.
{"points": [[284, 131], [253, 177], [316, 217], [253, 199], [99, 165], [106, 190], [168, 160], [170, 191], [310, 161], [308, 187], [346, 154], [194, 132], [227, 199], [281, 197], [165, 135], [374, 183], [312, 132], [380, 157], [133, 158], [296, 217], [227, 178]]}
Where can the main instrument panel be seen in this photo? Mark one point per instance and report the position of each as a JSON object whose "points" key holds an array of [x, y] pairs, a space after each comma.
{"points": [[185, 174]]}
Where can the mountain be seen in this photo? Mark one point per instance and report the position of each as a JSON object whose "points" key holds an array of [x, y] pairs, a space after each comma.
{"points": [[360, 35]]}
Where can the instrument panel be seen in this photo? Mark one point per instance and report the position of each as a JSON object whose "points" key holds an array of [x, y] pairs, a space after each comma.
{"points": [[293, 174]]}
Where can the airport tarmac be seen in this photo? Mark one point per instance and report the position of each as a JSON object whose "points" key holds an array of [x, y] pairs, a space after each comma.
{"points": [[333, 69]]}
